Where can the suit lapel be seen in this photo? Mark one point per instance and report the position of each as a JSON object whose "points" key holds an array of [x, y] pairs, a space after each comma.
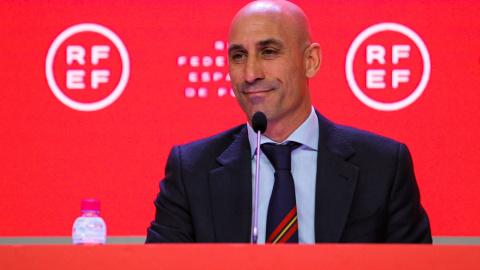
{"points": [[230, 188], [336, 182]]}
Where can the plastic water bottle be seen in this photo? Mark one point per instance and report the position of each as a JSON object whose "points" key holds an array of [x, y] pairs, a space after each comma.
{"points": [[89, 228]]}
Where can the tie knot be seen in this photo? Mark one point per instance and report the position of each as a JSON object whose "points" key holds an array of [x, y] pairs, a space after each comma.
{"points": [[280, 155]]}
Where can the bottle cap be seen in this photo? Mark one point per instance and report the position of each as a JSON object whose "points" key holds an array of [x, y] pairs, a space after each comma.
{"points": [[91, 205]]}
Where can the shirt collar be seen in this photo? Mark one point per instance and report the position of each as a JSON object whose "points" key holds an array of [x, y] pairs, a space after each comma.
{"points": [[306, 134]]}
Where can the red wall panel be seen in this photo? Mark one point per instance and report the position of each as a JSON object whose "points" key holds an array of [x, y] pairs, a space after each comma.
{"points": [[178, 91]]}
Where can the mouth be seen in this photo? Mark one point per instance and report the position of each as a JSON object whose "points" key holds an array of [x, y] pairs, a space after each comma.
{"points": [[257, 91]]}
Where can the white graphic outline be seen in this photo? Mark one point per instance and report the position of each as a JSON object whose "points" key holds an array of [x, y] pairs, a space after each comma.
{"points": [[387, 106], [96, 28]]}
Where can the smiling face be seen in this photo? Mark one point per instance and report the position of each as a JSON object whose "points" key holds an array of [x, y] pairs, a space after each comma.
{"points": [[269, 56]]}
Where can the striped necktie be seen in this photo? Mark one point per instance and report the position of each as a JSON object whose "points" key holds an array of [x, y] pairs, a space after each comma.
{"points": [[282, 224]]}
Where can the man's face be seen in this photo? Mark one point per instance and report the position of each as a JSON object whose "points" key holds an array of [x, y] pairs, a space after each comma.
{"points": [[267, 66]]}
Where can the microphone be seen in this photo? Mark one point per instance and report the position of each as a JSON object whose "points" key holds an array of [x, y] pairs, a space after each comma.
{"points": [[259, 122], [259, 125]]}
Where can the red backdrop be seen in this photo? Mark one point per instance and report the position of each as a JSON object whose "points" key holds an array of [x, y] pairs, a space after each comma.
{"points": [[178, 90]]}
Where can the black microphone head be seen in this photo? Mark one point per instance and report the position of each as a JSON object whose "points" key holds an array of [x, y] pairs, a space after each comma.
{"points": [[259, 122]]}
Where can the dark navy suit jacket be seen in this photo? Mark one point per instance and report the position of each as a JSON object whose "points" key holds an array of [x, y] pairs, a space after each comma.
{"points": [[366, 190]]}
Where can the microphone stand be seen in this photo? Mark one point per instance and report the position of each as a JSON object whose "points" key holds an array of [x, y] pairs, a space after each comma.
{"points": [[259, 125], [255, 200]]}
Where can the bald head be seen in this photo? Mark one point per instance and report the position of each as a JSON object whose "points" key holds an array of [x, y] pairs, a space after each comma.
{"points": [[283, 13]]}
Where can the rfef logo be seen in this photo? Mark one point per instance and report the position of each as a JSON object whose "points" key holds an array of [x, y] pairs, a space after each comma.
{"points": [[87, 67], [388, 66]]}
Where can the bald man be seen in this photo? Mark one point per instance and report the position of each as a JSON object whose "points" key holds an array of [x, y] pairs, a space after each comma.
{"points": [[350, 186]]}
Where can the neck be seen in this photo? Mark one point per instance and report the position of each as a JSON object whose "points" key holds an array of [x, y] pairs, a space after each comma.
{"points": [[279, 130]]}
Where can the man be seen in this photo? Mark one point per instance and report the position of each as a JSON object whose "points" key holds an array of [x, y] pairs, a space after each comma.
{"points": [[350, 185]]}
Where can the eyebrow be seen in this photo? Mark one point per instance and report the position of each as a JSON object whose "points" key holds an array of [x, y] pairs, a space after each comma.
{"points": [[270, 41], [261, 43], [234, 47]]}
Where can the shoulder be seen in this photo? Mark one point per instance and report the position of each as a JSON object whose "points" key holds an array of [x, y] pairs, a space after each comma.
{"points": [[217, 140], [361, 138], [211, 146], [353, 140]]}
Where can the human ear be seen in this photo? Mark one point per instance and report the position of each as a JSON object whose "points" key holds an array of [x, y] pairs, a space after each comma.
{"points": [[313, 59]]}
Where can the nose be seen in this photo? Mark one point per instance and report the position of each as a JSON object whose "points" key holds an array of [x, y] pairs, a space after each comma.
{"points": [[253, 70]]}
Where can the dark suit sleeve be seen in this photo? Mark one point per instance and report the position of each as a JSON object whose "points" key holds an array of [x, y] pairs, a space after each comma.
{"points": [[407, 220], [172, 219]]}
